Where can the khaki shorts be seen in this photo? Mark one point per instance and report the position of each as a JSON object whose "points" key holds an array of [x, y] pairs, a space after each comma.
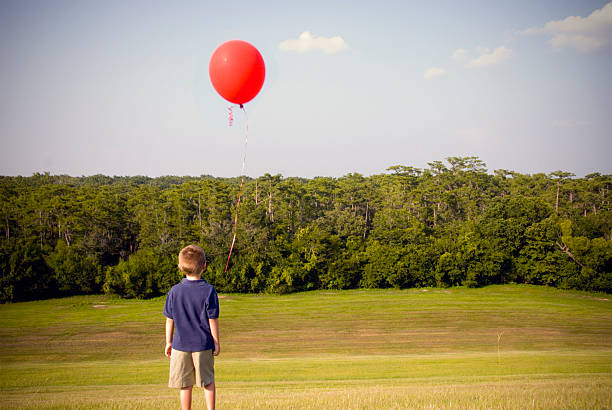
{"points": [[191, 368]]}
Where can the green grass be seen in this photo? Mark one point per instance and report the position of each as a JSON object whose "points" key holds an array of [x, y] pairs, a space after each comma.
{"points": [[420, 348]]}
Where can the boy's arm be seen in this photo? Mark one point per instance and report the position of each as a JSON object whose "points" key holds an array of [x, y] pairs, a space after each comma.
{"points": [[214, 331], [169, 336]]}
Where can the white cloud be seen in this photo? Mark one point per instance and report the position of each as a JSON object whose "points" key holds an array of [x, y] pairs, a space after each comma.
{"points": [[482, 50], [434, 72], [307, 42], [460, 54], [481, 56], [488, 57], [586, 34]]}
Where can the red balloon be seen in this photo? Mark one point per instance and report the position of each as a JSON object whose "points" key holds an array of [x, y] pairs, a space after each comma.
{"points": [[237, 71]]}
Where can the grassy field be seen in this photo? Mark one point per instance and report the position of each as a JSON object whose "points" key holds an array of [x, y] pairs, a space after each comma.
{"points": [[495, 347]]}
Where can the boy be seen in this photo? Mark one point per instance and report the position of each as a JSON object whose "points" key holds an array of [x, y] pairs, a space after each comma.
{"points": [[192, 307]]}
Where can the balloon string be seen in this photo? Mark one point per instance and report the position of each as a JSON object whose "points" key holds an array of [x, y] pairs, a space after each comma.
{"points": [[246, 140]]}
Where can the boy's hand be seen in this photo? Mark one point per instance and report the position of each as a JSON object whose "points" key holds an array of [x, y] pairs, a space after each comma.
{"points": [[214, 332], [169, 336]]}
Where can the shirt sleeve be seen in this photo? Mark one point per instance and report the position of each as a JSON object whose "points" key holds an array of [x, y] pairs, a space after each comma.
{"points": [[168, 306], [212, 305]]}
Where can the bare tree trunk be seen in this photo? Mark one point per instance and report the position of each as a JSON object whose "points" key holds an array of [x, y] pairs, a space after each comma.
{"points": [[199, 212], [435, 216], [557, 200], [365, 229], [270, 214], [301, 211], [40, 229], [565, 249]]}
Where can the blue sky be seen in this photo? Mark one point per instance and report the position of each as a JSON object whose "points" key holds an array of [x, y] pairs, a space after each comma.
{"points": [[122, 88]]}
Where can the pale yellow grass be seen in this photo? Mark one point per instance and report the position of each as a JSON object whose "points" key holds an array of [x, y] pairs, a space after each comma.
{"points": [[544, 392]]}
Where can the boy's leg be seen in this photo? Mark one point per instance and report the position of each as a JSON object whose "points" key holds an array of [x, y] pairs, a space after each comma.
{"points": [[209, 395], [186, 397], [205, 373]]}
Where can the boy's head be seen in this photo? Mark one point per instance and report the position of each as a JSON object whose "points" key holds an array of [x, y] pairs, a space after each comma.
{"points": [[192, 260]]}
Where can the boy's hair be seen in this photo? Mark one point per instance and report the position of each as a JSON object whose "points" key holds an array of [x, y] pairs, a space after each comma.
{"points": [[191, 260]]}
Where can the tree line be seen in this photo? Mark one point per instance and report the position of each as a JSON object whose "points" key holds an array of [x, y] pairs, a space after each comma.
{"points": [[446, 225]]}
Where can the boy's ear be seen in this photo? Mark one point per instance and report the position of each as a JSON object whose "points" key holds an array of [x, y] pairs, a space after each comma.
{"points": [[204, 267]]}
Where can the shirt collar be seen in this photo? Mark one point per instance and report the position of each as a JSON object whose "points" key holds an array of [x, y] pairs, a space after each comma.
{"points": [[192, 282]]}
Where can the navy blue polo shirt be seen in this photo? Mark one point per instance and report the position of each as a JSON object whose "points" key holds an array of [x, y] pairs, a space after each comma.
{"points": [[190, 304]]}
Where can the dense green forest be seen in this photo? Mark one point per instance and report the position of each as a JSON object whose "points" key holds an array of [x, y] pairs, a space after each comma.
{"points": [[450, 224]]}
